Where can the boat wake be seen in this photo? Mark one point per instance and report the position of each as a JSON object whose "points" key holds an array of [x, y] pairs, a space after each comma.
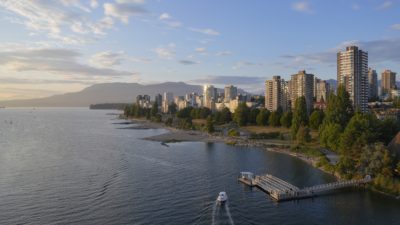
{"points": [[228, 212], [221, 214]]}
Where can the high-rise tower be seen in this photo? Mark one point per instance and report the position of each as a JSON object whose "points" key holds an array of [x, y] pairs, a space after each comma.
{"points": [[352, 73]]}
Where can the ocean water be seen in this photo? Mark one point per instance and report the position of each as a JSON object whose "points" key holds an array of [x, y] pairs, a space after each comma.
{"points": [[77, 166]]}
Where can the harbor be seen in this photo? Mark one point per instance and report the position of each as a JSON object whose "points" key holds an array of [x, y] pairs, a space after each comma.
{"points": [[281, 190]]}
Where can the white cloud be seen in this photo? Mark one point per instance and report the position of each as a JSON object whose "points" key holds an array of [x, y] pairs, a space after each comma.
{"points": [[167, 19], [59, 20], [107, 59], [303, 7], [223, 53], [386, 5], [94, 4], [207, 31], [130, 1], [75, 3], [396, 26], [379, 51], [166, 53], [53, 60], [164, 16], [201, 50], [123, 11]]}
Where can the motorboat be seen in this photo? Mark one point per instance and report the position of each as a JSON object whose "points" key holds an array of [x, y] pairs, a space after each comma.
{"points": [[222, 197]]}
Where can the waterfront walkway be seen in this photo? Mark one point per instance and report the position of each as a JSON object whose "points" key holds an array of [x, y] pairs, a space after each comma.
{"points": [[281, 190]]}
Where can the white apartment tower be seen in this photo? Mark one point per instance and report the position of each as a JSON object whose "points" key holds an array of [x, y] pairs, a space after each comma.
{"points": [[209, 96], [321, 90], [388, 82], [352, 73], [168, 98], [275, 94], [302, 84], [230, 93]]}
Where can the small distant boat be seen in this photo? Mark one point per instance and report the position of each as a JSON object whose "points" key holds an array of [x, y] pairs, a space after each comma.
{"points": [[222, 197]]}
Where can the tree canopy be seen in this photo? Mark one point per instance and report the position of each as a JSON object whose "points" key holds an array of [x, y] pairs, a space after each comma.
{"points": [[300, 115], [316, 119], [241, 114], [274, 119], [262, 117], [339, 108]]}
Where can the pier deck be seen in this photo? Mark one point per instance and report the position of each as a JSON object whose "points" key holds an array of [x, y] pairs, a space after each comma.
{"points": [[281, 190]]}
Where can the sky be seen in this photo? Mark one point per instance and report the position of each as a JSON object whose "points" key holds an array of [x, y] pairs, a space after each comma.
{"points": [[54, 47]]}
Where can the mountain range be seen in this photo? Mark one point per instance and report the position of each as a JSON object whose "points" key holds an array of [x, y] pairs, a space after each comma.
{"points": [[107, 93], [116, 93]]}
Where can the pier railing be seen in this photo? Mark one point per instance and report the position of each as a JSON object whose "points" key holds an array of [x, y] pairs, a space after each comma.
{"points": [[282, 190]]}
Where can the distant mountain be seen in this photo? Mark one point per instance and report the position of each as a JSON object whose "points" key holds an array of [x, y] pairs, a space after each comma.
{"points": [[107, 93], [332, 83]]}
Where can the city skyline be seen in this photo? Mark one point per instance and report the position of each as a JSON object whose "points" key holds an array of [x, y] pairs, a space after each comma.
{"points": [[64, 46]]}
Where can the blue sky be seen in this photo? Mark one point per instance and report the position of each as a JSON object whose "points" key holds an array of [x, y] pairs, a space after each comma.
{"points": [[53, 47]]}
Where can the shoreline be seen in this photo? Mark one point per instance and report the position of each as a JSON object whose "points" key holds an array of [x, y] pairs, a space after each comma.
{"points": [[178, 135]]}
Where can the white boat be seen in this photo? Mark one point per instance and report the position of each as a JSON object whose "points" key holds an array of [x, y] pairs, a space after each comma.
{"points": [[222, 197]]}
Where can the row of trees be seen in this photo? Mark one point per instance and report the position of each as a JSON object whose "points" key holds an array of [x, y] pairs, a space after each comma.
{"points": [[262, 117]]}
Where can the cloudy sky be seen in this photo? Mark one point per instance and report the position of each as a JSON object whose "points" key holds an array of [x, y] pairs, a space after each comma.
{"points": [[52, 47]]}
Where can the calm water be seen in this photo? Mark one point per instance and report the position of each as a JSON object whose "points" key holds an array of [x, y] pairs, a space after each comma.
{"points": [[75, 166]]}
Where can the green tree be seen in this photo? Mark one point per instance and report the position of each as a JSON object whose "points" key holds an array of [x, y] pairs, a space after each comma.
{"points": [[241, 114], [185, 123], [388, 128], [375, 159], [396, 102], [169, 121], [210, 124], [226, 116], [329, 135], [316, 119], [233, 133], [154, 109], [147, 113], [262, 117], [185, 112], [339, 108], [286, 119], [204, 113], [158, 118], [360, 131], [253, 115], [274, 119], [300, 115], [398, 168], [172, 108], [346, 166], [303, 135]]}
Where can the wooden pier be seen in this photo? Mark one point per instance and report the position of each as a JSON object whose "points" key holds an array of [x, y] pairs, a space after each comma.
{"points": [[281, 190]]}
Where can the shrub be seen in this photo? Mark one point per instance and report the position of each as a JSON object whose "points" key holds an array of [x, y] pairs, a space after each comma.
{"points": [[168, 122], [233, 133]]}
